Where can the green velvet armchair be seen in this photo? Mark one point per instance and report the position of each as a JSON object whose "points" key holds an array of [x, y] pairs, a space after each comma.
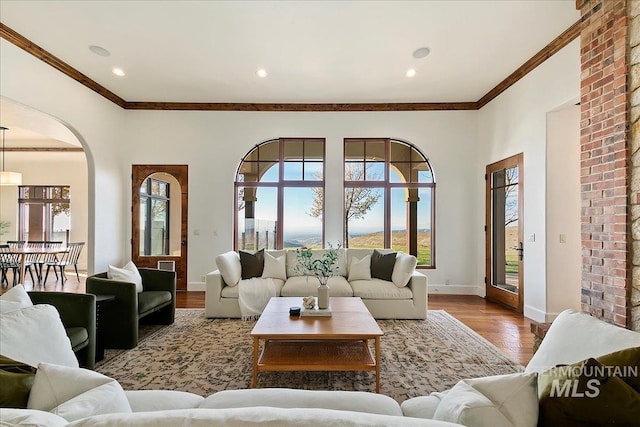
{"points": [[119, 320], [78, 315]]}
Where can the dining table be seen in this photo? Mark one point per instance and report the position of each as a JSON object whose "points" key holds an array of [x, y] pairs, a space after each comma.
{"points": [[23, 251]]}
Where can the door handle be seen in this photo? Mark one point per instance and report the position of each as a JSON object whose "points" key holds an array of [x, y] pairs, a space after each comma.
{"points": [[520, 250]]}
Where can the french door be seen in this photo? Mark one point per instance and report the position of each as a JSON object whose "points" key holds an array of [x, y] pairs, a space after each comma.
{"points": [[159, 201], [504, 232]]}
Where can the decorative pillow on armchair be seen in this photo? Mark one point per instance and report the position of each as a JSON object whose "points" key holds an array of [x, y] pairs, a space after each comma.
{"points": [[14, 299], [128, 273], [23, 332]]}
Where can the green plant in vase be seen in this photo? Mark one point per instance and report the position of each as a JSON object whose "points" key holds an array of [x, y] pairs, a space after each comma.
{"points": [[322, 268]]}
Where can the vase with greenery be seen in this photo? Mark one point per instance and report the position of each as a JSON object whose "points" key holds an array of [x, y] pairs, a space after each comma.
{"points": [[322, 267]]}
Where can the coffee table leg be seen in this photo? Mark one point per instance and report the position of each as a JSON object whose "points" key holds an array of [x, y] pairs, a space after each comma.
{"points": [[256, 345], [377, 364]]}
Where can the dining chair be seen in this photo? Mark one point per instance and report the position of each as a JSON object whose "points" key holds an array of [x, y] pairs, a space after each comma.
{"points": [[34, 260], [9, 261], [15, 244], [44, 258], [70, 257]]}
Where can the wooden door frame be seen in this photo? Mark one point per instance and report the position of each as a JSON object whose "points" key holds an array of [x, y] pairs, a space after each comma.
{"points": [[493, 294], [138, 174]]}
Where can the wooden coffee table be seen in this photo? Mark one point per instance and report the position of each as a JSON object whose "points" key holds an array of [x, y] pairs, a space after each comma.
{"points": [[298, 343]]}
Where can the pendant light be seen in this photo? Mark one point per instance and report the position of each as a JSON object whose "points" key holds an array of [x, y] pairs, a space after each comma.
{"points": [[6, 177]]}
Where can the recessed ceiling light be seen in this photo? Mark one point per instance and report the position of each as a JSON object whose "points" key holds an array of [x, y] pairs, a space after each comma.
{"points": [[411, 72], [99, 50], [261, 72], [421, 52], [118, 72]]}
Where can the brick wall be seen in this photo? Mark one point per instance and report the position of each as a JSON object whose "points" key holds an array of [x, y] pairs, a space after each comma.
{"points": [[604, 174]]}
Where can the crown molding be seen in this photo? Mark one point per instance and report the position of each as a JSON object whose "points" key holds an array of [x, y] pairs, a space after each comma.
{"points": [[558, 43]]}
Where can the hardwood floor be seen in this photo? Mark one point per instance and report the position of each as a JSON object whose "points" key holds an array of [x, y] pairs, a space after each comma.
{"points": [[508, 331]]}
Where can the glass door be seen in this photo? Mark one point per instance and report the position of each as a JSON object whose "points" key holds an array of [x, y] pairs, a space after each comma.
{"points": [[504, 232]]}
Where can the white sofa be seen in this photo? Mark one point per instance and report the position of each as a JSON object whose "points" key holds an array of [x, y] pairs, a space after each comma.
{"points": [[384, 299], [572, 337]]}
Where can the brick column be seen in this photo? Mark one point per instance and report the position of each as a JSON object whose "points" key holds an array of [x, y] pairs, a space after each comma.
{"points": [[634, 199], [605, 154]]}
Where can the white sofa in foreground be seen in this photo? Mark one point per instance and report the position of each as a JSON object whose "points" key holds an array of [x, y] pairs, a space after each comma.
{"points": [[403, 297]]}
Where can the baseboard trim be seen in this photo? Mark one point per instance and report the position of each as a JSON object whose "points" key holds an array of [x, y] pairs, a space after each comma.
{"points": [[456, 290], [196, 287], [535, 314]]}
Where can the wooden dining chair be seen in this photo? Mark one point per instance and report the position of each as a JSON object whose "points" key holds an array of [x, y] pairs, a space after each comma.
{"points": [[45, 258], [34, 260], [70, 257], [9, 261]]}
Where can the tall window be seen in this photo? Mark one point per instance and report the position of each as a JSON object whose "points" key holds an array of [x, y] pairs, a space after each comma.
{"points": [[44, 213], [389, 192], [154, 217], [279, 193]]}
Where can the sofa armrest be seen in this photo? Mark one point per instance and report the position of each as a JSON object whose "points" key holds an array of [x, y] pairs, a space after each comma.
{"points": [[214, 284], [76, 310], [161, 400], [418, 285]]}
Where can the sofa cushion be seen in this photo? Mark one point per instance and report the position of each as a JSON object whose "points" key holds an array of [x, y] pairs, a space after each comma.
{"points": [[358, 401], [230, 268], [421, 406], [576, 336], [23, 331], [128, 273], [403, 269], [467, 406], [16, 379], [75, 393], [78, 336], [360, 268], [382, 265], [252, 264], [30, 418], [14, 299], [292, 261], [159, 400], [379, 289], [232, 292], [150, 300], [587, 393], [306, 285], [274, 266]]}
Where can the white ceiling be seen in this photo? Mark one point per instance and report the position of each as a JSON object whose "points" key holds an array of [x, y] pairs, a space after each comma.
{"points": [[314, 51]]}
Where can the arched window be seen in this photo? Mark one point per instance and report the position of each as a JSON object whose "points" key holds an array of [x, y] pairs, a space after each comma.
{"points": [[279, 194], [389, 197]]}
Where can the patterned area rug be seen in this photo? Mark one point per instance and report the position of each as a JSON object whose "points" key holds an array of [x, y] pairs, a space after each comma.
{"points": [[202, 356]]}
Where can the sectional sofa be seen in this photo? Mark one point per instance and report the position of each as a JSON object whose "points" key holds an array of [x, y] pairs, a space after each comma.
{"points": [[402, 297]]}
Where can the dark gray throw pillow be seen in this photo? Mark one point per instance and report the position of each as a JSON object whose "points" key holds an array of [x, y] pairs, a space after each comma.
{"points": [[382, 265], [252, 264]]}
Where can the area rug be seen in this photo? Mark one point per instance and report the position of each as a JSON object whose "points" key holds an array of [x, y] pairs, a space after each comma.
{"points": [[202, 356]]}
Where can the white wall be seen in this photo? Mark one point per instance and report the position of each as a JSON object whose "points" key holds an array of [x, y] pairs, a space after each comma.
{"points": [[98, 124], [212, 144], [50, 168], [515, 122], [564, 259]]}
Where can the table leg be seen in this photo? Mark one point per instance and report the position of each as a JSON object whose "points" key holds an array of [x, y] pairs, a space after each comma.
{"points": [[256, 348], [377, 364]]}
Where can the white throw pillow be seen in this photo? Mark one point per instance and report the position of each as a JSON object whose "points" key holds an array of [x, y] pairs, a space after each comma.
{"points": [[75, 393], [274, 268], [230, 268], [128, 273], [499, 400], [360, 269], [403, 269], [34, 335], [14, 299]]}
